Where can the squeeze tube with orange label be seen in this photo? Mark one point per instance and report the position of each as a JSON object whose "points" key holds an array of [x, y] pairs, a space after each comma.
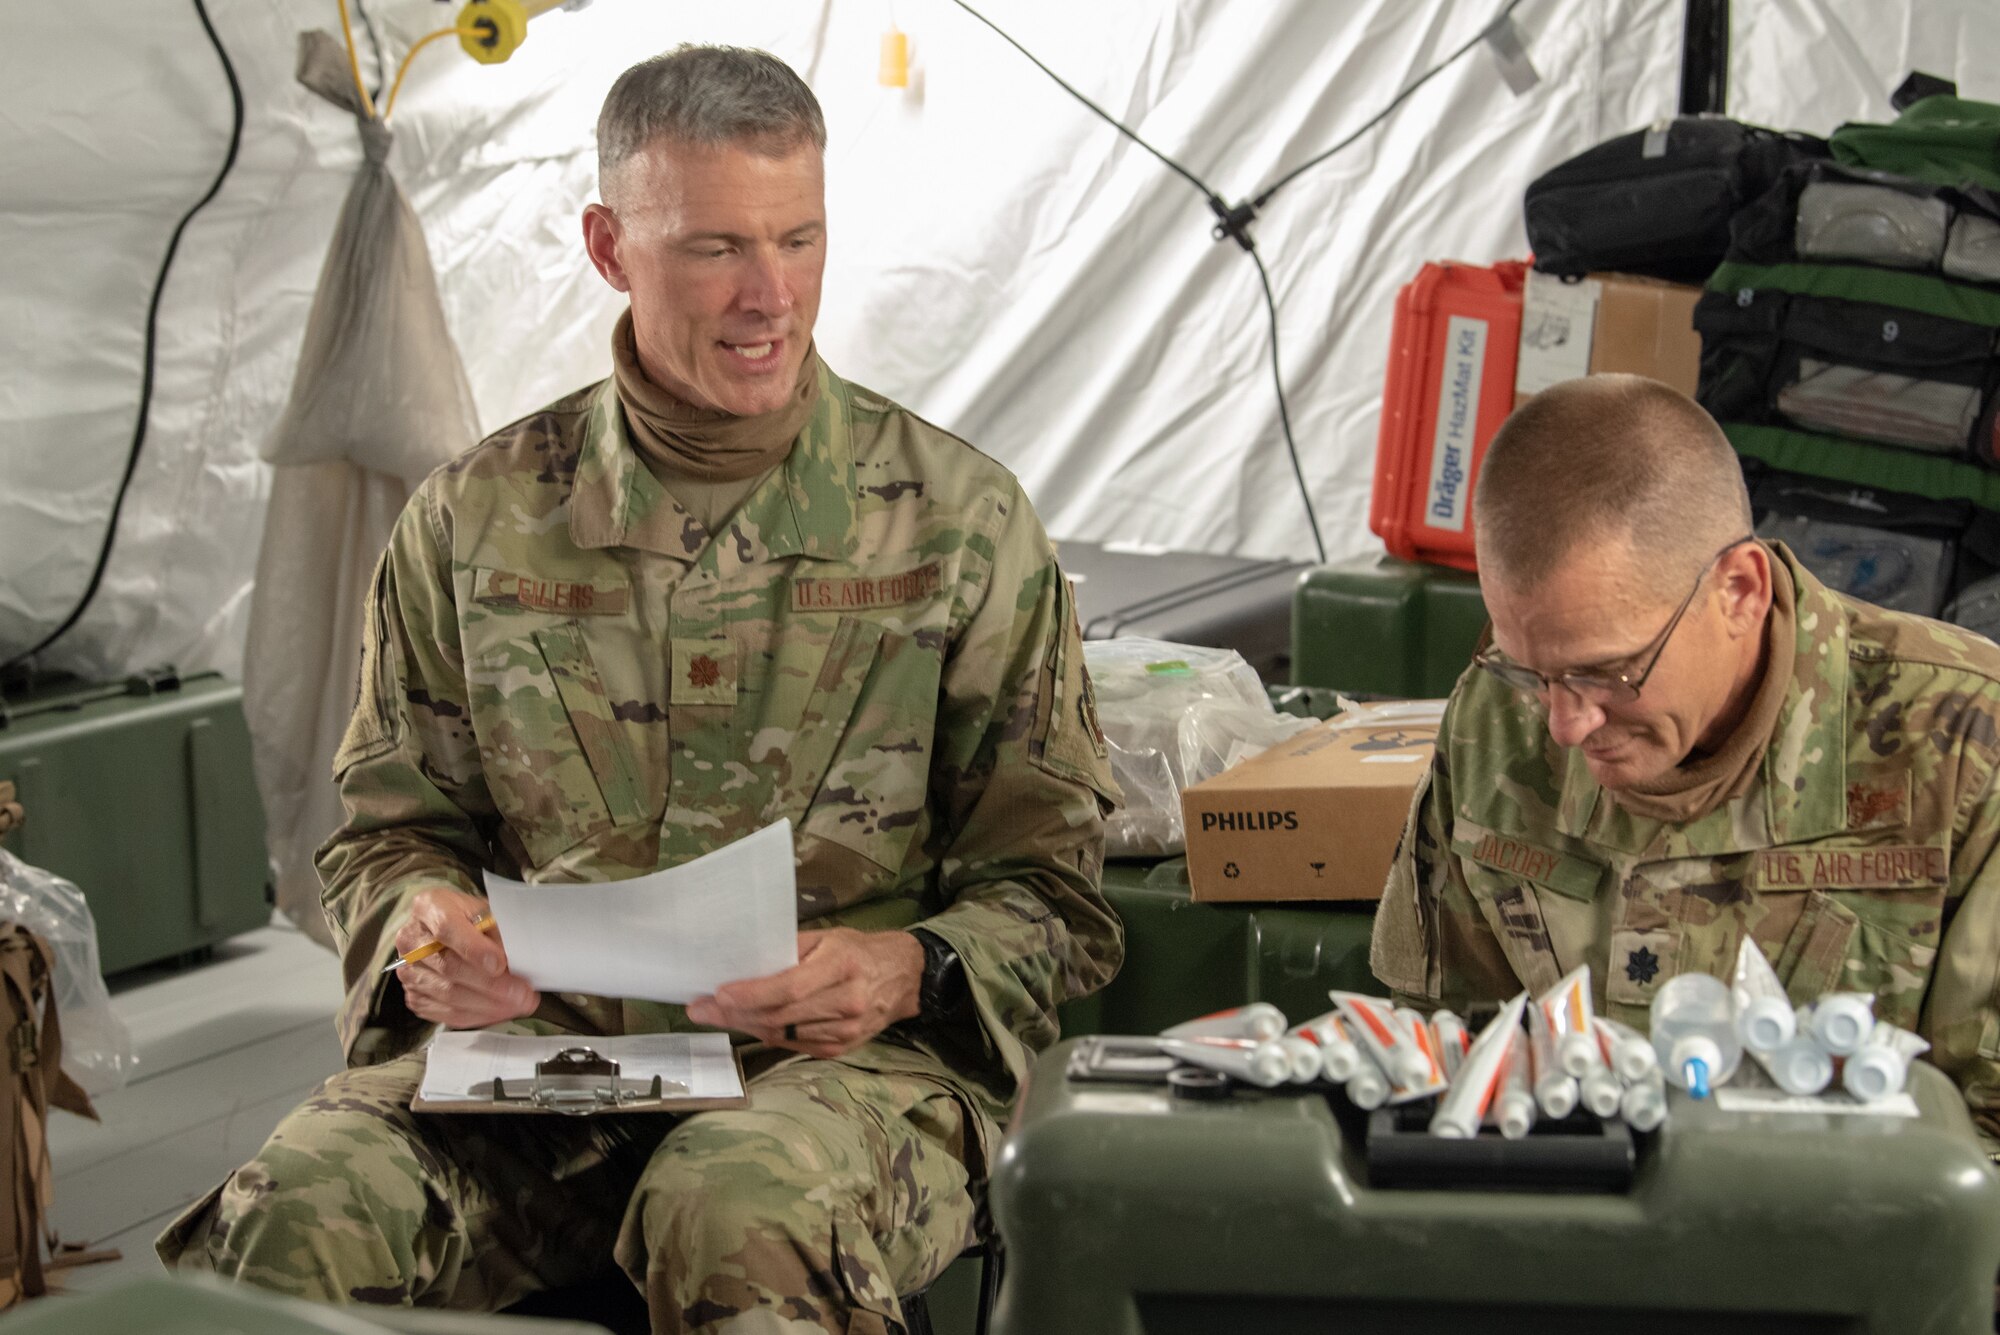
{"points": [[1644, 1103], [1454, 1041], [1566, 1007], [1338, 1057], [1374, 1025], [1303, 1054], [1599, 1090], [1555, 1089], [1479, 1076], [1367, 1088], [1628, 1052], [1246, 1059], [1420, 1032], [1514, 1110], [1259, 1020]]}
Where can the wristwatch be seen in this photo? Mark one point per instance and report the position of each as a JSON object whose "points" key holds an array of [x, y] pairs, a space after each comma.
{"points": [[942, 991]]}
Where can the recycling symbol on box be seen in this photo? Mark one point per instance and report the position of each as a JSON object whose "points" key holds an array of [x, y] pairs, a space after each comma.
{"points": [[1231, 870]]}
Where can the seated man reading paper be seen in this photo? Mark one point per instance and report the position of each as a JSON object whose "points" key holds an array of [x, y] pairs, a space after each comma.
{"points": [[1678, 737], [721, 587]]}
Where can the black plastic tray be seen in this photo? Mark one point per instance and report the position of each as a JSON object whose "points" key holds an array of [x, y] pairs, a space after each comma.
{"points": [[1581, 1153]]}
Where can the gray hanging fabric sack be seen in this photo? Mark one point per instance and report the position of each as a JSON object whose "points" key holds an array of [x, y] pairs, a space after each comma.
{"points": [[379, 381]]}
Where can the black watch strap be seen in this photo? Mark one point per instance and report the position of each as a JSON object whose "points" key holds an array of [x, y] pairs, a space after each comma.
{"points": [[943, 991]]}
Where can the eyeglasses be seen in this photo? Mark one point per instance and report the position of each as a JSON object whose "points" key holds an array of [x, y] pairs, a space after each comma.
{"points": [[1601, 686]]}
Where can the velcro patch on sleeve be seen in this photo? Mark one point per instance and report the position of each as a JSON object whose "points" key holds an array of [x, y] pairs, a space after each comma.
{"points": [[562, 597], [853, 593]]}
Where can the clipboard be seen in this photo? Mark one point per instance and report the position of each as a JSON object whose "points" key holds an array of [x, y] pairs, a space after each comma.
{"points": [[579, 1081]]}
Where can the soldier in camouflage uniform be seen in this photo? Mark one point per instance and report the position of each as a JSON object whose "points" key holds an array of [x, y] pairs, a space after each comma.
{"points": [[569, 678], [1794, 765]]}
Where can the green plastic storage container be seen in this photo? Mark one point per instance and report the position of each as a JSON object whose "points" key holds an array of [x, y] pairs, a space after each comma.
{"points": [[1385, 628], [1125, 1210], [142, 793]]}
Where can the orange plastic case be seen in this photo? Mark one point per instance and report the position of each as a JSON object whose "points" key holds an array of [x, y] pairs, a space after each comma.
{"points": [[1456, 336]]}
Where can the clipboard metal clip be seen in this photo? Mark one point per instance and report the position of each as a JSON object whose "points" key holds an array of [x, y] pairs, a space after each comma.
{"points": [[579, 1082]]}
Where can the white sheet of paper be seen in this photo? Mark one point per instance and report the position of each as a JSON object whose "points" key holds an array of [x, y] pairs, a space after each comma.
{"points": [[461, 1060], [666, 936]]}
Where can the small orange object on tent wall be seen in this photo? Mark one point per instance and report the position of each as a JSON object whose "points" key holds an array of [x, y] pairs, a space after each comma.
{"points": [[894, 70]]}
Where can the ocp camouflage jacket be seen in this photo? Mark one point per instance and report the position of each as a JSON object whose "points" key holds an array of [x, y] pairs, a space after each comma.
{"points": [[1860, 858], [564, 678]]}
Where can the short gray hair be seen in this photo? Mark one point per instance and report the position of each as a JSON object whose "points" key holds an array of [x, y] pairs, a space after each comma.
{"points": [[707, 95], [1607, 458]]}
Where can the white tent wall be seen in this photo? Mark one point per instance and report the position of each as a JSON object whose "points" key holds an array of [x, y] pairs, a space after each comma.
{"points": [[1001, 260]]}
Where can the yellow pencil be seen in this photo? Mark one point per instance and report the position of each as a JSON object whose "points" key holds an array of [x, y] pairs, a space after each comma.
{"points": [[483, 923]]}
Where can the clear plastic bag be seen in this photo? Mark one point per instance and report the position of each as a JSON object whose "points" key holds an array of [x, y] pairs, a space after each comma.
{"points": [[1174, 714], [97, 1048]]}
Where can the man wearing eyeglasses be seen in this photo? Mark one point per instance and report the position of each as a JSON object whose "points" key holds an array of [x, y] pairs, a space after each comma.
{"points": [[1676, 736]]}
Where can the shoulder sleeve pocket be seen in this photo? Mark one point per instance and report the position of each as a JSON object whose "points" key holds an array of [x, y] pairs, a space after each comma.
{"points": [[1067, 740], [375, 727], [1402, 948]]}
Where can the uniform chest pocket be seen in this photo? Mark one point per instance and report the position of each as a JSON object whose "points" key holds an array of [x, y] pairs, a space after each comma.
{"points": [[1869, 920], [1513, 910], [555, 761], [1880, 942], [1539, 902], [855, 769]]}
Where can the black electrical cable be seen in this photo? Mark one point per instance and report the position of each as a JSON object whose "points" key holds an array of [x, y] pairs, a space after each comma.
{"points": [[1264, 197], [1233, 221], [1285, 413], [1106, 116], [151, 346]]}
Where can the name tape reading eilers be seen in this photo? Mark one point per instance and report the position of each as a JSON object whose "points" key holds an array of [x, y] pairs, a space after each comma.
{"points": [[569, 597]]}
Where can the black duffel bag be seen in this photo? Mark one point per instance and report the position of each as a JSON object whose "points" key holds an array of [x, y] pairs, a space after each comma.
{"points": [[1657, 201], [1887, 548]]}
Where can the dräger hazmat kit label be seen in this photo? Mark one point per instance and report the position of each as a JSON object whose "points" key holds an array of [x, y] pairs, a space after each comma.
{"points": [[1316, 817], [1450, 496]]}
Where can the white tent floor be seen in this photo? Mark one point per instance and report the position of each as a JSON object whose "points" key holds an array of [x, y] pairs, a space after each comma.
{"points": [[225, 1048]]}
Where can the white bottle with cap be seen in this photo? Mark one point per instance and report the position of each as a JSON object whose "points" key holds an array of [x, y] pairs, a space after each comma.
{"points": [[1694, 1033], [1798, 1067], [1841, 1021], [1879, 1069], [1764, 1016]]}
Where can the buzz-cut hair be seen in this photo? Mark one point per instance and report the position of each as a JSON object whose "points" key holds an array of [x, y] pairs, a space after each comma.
{"points": [[708, 95], [1608, 461]]}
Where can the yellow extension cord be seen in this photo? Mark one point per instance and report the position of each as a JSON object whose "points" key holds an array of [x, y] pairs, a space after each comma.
{"points": [[465, 32]]}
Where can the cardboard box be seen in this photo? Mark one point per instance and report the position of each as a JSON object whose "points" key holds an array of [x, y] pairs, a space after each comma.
{"points": [[1317, 817], [1606, 322]]}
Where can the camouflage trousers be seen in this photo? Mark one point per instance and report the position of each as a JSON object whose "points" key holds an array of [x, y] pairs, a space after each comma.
{"points": [[810, 1211]]}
